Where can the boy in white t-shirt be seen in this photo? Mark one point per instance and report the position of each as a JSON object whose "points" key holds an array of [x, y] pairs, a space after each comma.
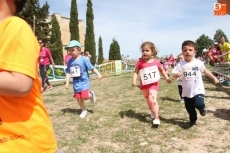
{"points": [[190, 70]]}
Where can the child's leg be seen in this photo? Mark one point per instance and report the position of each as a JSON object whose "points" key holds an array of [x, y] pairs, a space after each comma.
{"points": [[153, 103], [86, 94], [190, 107], [150, 96], [146, 95], [199, 104], [81, 103], [180, 91]]}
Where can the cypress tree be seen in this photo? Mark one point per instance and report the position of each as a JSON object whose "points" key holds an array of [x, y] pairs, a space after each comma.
{"points": [[44, 30], [100, 52], [55, 42], [114, 51], [36, 17], [73, 24], [117, 47], [90, 36]]}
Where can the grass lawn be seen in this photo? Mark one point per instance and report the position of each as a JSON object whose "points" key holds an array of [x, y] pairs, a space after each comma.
{"points": [[119, 121]]}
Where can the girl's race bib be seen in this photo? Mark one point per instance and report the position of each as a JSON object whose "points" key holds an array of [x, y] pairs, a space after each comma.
{"points": [[75, 71], [149, 75]]}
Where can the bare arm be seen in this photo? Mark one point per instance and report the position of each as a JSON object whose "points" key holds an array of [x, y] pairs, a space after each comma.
{"points": [[165, 75], [15, 84], [97, 73], [134, 80], [228, 52], [211, 76], [67, 80]]}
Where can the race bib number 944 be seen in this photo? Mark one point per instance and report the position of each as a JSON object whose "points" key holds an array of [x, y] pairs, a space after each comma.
{"points": [[149, 75], [191, 74]]}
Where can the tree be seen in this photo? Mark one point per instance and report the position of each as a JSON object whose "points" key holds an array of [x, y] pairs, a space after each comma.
{"points": [[90, 36], [218, 34], [201, 43], [114, 51], [55, 42], [73, 24], [36, 17], [43, 25], [100, 52]]}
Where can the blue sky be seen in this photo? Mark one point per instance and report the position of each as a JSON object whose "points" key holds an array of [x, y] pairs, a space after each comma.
{"points": [[166, 23]]}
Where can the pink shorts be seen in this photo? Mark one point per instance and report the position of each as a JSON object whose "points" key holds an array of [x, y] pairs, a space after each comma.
{"points": [[84, 94]]}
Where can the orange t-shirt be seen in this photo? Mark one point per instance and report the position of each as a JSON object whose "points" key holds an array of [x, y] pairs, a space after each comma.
{"points": [[25, 126]]}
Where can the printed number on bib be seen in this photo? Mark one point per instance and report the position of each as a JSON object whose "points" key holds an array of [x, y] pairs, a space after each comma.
{"points": [[75, 71], [190, 75], [149, 75]]}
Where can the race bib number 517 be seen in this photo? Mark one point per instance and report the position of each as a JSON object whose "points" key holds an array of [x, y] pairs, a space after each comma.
{"points": [[149, 75]]}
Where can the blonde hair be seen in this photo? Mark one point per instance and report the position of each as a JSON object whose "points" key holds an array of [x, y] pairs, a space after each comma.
{"points": [[151, 46]]}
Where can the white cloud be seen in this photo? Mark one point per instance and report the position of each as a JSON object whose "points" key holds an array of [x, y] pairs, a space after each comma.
{"points": [[165, 23]]}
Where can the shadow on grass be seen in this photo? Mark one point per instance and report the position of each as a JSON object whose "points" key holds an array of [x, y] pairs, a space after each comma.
{"points": [[139, 116], [169, 99], [221, 113], [142, 117], [132, 114], [177, 121], [75, 111]]}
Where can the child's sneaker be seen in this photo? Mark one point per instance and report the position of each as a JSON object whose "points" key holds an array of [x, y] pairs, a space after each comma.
{"points": [[203, 112], [92, 97], [156, 122], [49, 88], [192, 123], [152, 115], [83, 113]]}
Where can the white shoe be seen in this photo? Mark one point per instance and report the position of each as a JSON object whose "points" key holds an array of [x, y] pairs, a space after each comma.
{"points": [[83, 113], [92, 97], [156, 122], [182, 100], [152, 115]]}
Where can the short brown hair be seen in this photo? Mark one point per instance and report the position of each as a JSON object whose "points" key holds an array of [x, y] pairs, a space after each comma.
{"points": [[189, 43]]}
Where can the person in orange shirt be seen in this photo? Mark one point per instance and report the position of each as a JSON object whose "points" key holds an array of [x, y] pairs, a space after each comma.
{"points": [[25, 126]]}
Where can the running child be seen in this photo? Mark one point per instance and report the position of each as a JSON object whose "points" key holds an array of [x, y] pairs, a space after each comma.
{"points": [[180, 58], [150, 69], [25, 126], [166, 65], [77, 69], [190, 70]]}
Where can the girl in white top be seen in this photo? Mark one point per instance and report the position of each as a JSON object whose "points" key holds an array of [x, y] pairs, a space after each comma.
{"points": [[190, 70], [179, 80]]}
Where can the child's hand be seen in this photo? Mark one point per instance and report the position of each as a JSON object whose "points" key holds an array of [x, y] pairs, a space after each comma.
{"points": [[168, 80], [177, 75], [216, 80], [100, 77], [66, 85], [134, 84]]}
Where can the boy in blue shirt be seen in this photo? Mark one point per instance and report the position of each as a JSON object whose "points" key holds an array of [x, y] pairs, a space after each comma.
{"points": [[77, 68]]}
